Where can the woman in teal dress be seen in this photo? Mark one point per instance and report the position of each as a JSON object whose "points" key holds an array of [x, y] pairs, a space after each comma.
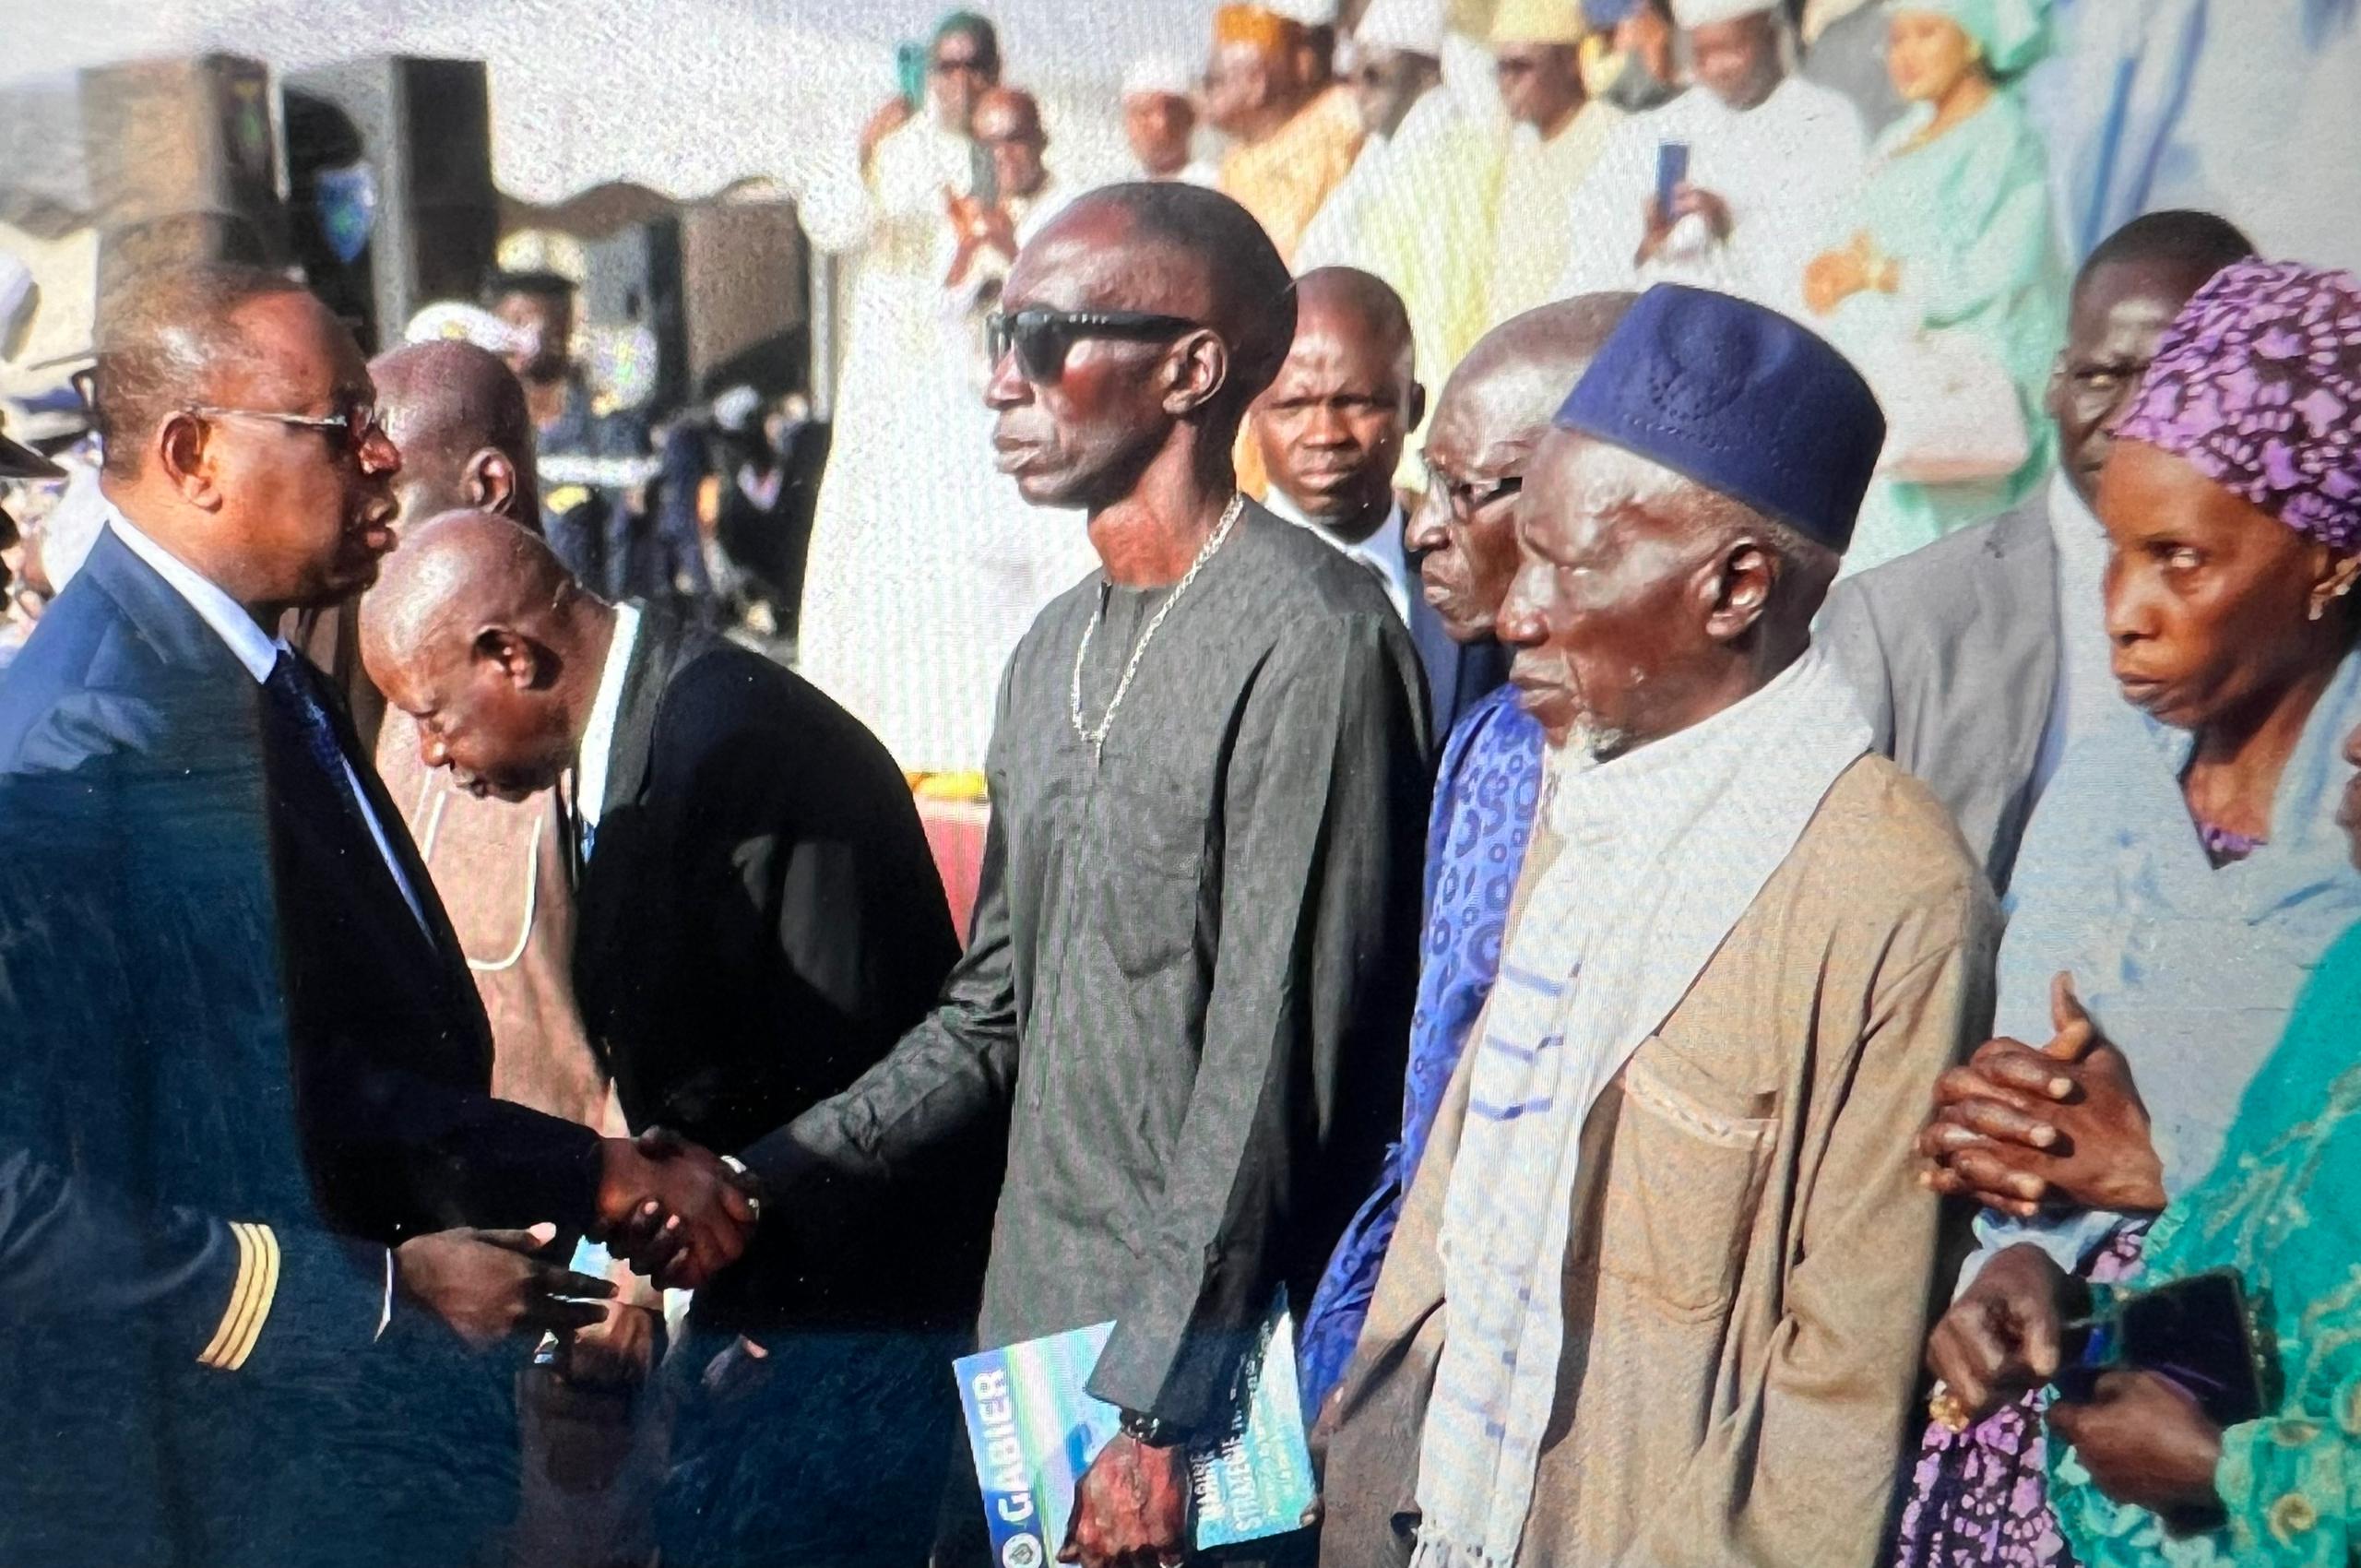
{"points": [[1953, 236], [2282, 1208]]}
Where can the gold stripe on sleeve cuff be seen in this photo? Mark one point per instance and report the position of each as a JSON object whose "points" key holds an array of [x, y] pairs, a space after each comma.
{"points": [[250, 1298]]}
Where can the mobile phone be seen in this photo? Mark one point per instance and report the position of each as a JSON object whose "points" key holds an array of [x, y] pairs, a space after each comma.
{"points": [[1672, 169], [909, 71], [2199, 1332]]}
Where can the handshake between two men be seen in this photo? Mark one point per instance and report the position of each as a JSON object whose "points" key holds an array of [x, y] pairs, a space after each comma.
{"points": [[674, 1211]]}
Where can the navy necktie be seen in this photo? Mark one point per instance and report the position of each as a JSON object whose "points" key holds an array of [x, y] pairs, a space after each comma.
{"points": [[288, 688]]}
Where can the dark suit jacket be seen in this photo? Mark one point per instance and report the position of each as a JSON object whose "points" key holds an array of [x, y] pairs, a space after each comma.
{"points": [[175, 983], [1953, 651], [393, 1059], [760, 921]]}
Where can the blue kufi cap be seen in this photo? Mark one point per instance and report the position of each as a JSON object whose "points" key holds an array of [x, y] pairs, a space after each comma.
{"points": [[1742, 400]]}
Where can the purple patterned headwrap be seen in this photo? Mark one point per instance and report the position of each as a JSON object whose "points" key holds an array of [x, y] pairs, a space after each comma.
{"points": [[2257, 386]]}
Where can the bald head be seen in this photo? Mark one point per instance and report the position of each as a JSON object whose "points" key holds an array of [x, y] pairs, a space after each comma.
{"points": [[1008, 127], [1490, 417], [457, 413], [477, 632], [1082, 413], [1552, 345], [1347, 301], [1187, 245], [1008, 111]]}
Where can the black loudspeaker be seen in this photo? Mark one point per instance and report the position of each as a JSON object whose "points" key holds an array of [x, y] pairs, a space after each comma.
{"points": [[743, 279], [183, 164], [390, 202], [632, 277]]}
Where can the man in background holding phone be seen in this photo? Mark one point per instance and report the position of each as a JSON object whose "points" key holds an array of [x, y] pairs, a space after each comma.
{"points": [[1735, 184]]}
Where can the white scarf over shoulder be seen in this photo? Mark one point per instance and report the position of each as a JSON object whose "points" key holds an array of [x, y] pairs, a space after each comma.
{"points": [[1665, 847]]}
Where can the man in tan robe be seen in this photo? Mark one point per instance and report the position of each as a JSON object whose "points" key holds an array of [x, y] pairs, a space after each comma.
{"points": [[1658, 1289]]}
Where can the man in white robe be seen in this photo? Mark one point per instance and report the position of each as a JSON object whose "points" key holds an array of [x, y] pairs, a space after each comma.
{"points": [[1160, 121], [1395, 72], [919, 582], [1774, 161], [1559, 137]]}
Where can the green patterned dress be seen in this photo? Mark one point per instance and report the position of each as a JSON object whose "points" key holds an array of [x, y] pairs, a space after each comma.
{"points": [[2282, 1208]]}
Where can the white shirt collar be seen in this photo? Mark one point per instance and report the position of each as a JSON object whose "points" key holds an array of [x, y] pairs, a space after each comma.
{"points": [[1381, 550], [606, 707], [256, 649]]}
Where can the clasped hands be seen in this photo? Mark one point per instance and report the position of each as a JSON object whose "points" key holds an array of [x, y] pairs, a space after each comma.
{"points": [[1833, 277], [979, 225], [675, 1212], [2020, 1129]]}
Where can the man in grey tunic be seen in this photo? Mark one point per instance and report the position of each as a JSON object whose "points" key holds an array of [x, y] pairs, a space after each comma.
{"points": [[1189, 982]]}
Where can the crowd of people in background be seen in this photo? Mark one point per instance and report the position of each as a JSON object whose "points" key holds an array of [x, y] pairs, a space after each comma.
{"points": [[1482, 159], [1642, 750]]}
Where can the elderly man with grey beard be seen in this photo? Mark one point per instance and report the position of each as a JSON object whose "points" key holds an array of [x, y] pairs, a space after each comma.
{"points": [[1671, 1198]]}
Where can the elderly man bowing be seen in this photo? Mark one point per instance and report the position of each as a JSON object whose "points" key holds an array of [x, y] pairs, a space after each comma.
{"points": [[1745, 946]]}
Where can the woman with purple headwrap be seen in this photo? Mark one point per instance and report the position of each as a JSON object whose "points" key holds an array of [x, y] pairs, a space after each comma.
{"points": [[2179, 882]]}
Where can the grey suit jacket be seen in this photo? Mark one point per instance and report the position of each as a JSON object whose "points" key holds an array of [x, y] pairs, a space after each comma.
{"points": [[1954, 650]]}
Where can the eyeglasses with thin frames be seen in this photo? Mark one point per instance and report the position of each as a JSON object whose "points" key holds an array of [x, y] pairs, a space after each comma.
{"points": [[1468, 497], [1042, 338], [359, 421]]}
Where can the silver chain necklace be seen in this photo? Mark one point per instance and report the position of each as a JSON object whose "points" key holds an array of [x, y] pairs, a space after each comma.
{"points": [[1097, 739]]}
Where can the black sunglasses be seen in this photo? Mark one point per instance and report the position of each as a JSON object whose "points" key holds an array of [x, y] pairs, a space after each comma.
{"points": [[1042, 337]]}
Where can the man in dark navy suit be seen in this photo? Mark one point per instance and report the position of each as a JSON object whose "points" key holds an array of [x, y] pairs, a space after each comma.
{"points": [[1331, 430], [244, 1115]]}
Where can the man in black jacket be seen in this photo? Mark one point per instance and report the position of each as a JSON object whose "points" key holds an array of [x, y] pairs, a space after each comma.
{"points": [[746, 855]]}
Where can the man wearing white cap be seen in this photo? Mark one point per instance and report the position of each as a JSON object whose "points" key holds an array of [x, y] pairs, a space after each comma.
{"points": [[1470, 231], [1395, 74], [1160, 121], [1760, 165]]}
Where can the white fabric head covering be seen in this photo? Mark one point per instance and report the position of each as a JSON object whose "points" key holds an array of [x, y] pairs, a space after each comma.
{"points": [[1305, 13], [735, 409], [455, 319], [1414, 25], [1706, 13], [1159, 76]]}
